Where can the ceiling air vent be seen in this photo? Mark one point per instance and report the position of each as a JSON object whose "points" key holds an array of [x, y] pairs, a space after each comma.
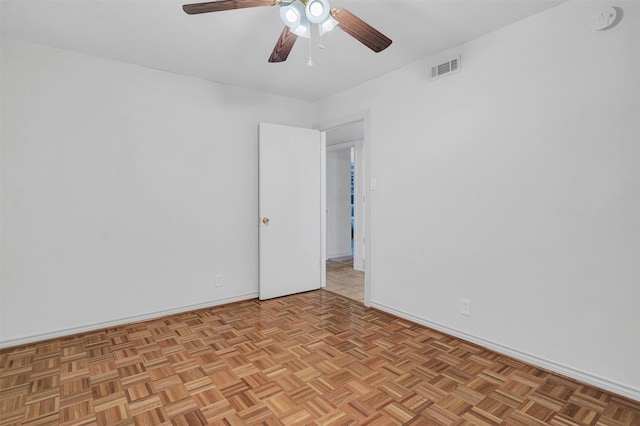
{"points": [[446, 68]]}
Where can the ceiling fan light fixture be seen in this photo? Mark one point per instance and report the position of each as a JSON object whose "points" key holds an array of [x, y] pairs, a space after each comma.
{"points": [[293, 16], [316, 8], [303, 29], [327, 25], [292, 13], [317, 11]]}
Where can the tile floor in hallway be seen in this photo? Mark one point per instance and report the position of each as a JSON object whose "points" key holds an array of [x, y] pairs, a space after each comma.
{"points": [[344, 280]]}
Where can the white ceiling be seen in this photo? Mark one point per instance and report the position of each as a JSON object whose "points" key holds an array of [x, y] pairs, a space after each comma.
{"points": [[232, 47]]}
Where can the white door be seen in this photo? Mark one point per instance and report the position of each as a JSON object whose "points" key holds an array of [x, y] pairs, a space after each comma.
{"points": [[290, 206]]}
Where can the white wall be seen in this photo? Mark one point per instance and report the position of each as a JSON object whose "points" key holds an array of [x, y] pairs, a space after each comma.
{"points": [[338, 202], [125, 190], [519, 181]]}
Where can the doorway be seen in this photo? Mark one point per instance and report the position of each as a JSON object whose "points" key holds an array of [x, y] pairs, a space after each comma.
{"points": [[345, 210]]}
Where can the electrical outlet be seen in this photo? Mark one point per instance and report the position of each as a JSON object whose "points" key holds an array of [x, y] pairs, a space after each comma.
{"points": [[465, 307], [219, 280]]}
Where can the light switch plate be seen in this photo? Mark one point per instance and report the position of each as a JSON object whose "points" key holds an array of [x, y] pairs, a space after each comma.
{"points": [[465, 307]]}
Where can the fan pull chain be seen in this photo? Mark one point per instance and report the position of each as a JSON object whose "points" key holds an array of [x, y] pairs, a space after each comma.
{"points": [[310, 61], [321, 45]]}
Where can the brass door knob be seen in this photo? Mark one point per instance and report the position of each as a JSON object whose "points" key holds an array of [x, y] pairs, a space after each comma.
{"points": [[265, 220]]}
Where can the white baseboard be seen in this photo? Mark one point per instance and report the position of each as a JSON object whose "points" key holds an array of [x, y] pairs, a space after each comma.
{"points": [[339, 255], [121, 321], [582, 376], [555, 367]]}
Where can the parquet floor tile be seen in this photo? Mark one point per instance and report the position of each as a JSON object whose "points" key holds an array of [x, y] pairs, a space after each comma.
{"points": [[315, 358]]}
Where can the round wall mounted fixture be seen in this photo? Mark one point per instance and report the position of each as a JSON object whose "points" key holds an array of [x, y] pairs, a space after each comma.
{"points": [[603, 19]]}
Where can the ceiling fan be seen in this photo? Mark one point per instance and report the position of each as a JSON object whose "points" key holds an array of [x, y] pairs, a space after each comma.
{"points": [[298, 16]]}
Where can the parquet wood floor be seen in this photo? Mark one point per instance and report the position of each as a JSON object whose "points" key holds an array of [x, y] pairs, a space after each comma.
{"points": [[310, 359]]}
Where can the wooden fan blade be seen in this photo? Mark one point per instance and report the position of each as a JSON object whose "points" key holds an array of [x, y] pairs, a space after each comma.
{"points": [[283, 46], [360, 30], [218, 6]]}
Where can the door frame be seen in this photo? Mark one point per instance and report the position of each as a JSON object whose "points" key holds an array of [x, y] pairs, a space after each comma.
{"points": [[365, 117]]}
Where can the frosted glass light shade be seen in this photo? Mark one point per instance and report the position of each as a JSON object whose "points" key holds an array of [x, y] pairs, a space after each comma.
{"points": [[317, 11], [293, 16], [327, 25], [303, 29]]}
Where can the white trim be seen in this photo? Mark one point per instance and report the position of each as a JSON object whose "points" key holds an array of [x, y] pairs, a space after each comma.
{"points": [[367, 148], [359, 209], [323, 209], [552, 366], [127, 320], [338, 255], [342, 145]]}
